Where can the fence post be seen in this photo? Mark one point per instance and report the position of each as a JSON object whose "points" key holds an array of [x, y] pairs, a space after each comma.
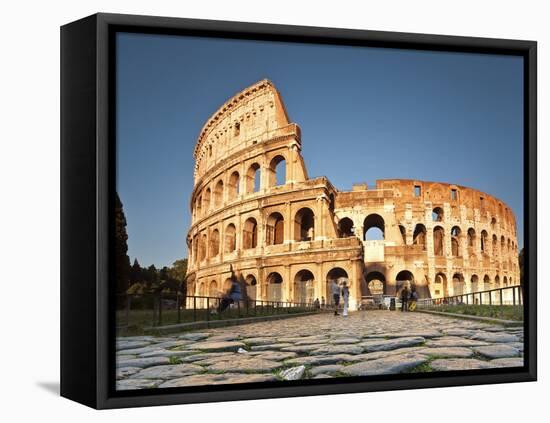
{"points": [[207, 309], [514, 295], [490, 297], [160, 308], [178, 304], [194, 308], [500, 295]]}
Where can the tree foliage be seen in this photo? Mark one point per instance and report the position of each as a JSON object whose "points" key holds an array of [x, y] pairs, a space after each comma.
{"points": [[122, 261]]}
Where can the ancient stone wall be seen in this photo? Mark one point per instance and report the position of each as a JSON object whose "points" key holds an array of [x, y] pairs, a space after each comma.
{"points": [[255, 209]]}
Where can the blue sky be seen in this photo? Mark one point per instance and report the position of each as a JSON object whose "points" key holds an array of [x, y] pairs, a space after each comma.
{"points": [[365, 114]]}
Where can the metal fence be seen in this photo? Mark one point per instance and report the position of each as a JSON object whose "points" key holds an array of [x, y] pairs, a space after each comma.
{"points": [[510, 296], [157, 309]]}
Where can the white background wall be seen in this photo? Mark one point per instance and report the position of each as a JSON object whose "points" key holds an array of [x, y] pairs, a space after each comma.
{"points": [[29, 212]]}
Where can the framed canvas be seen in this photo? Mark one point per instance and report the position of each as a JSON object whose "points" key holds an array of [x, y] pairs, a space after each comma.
{"points": [[258, 211]]}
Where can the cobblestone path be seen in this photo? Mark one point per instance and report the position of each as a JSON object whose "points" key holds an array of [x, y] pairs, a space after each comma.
{"points": [[316, 346]]}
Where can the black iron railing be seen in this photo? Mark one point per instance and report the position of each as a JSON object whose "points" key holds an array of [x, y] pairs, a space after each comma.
{"points": [[509, 295], [157, 309]]}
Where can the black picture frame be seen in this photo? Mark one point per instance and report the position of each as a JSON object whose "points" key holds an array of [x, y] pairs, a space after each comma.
{"points": [[87, 198]]}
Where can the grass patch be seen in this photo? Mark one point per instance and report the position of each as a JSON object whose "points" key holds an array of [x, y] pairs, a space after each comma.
{"points": [[422, 368], [506, 312], [175, 360]]}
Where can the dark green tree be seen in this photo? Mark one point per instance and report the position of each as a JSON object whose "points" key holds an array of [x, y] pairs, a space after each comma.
{"points": [[122, 261]]}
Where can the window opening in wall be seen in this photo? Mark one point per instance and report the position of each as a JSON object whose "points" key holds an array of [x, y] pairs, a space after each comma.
{"points": [[417, 191], [454, 194]]}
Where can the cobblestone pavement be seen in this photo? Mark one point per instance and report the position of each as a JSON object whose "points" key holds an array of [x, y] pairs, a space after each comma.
{"points": [[316, 346]]}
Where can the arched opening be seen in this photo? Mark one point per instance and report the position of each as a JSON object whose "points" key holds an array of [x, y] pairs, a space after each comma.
{"points": [[214, 247], [274, 287], [484, 237], [495, 246], [437, 214], [206, 200], [251, 287], [419, 236], [218, 194], [345, 227], [403, 233], [275, 229], [455, 241], [404, 279], [335, 274], [198, 206], [253, 176], [202, 247], [440, 288], [486, 282], [458, 284], [497, 280], [493, 223], [505, 281], [233, 186], [439, 249], [250, 233], [376, 283], [474, 280], [304, 225], [277, 171], [227, 284], [373, 227], [230, 238], [304, 287], [213, 289], [195, 248], [471, 240]]}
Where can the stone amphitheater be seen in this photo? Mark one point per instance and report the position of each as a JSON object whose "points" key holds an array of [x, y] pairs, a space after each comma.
{"points": [[255, 209]]}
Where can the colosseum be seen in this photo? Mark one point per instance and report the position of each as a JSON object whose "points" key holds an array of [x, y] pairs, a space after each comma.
{"points": [[255, 208]]}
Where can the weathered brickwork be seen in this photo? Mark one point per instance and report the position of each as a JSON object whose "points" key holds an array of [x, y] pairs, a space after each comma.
{"points": [[255, 208]]}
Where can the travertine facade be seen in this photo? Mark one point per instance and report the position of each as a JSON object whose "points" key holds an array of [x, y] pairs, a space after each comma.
{"points": [[255, 208]]}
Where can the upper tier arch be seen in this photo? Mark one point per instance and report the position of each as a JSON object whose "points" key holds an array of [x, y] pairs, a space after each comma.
{"points": [[249, 117]]}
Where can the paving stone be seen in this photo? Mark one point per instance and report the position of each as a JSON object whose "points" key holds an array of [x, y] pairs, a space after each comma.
{"points": [[143, 362], [223, 337], [454, 341], [322, 376], [276, 355], [455, 352], [507, 362], [449, 364], [390, 344], [271, 346], [327, 369], [398, 363], [259, 341], [311, 341], [217, 379], [204, 356], [497, 351], [168, 372], [517, 345], [294, 373], [381, 354], [302, 348], [167, 353], [245, 364], [337, 349], [131, 384], [391, 335], [124, 372], [194, 336], [460, 332], [320, 359], [124, 357], [339, 341], [216, 346], [496, 337], [127, 345]]}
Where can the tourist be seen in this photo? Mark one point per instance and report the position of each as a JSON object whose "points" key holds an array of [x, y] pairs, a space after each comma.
{"points": [[404, 298], [413, 296], [335, 288], [345, 297], [232, 295], [316, 303], [323, 303]]}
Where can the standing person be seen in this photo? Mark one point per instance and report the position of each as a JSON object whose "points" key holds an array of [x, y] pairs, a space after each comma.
{"points": [[335, 289], [233, 293], [412, 299], [316, 303], [404, 298], [345, 297], [323, 302]]}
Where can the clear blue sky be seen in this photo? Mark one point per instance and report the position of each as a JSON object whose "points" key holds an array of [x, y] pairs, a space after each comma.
{"points": [[365, 114]]}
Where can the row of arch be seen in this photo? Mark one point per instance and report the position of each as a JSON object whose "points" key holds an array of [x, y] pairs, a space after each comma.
{"points": [[376, 283], [374, 228], [208, 247], [229, 191], [303, 290]]}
